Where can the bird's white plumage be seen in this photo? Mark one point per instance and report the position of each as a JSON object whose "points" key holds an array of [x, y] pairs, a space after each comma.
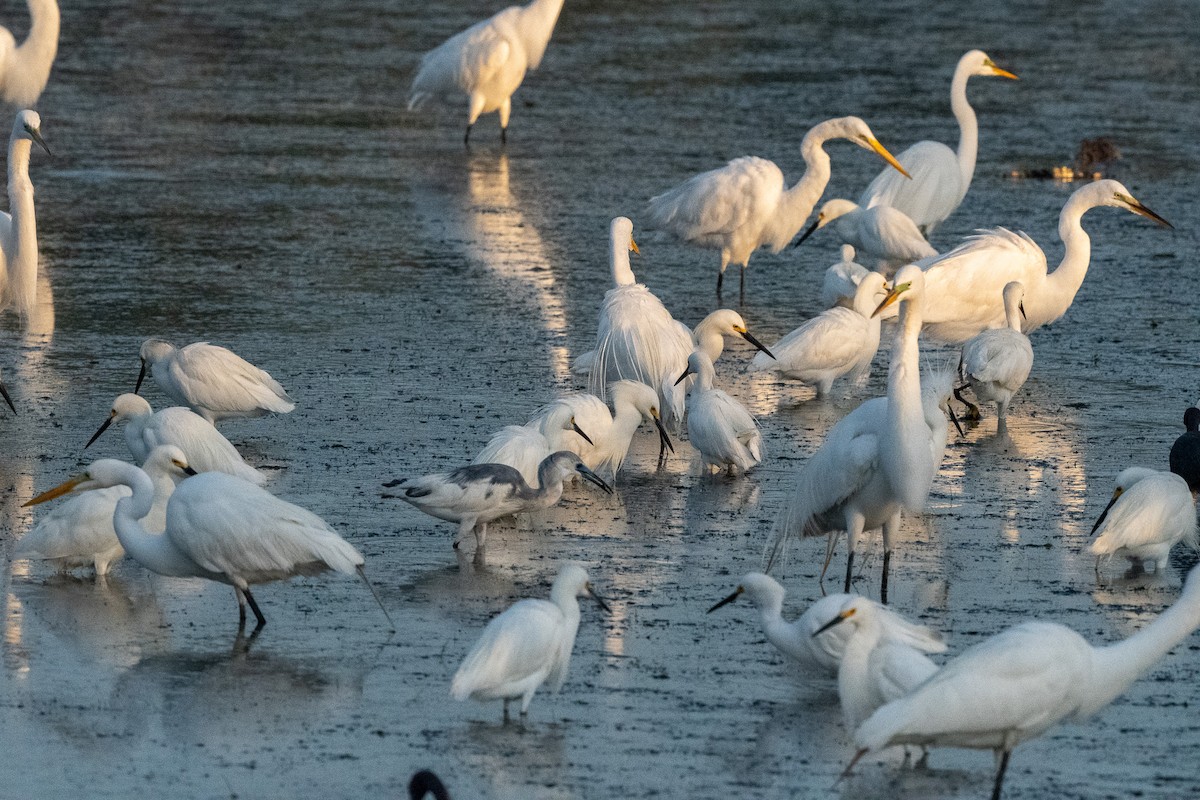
{"points": [[213, 381], [997, 362], [18, 227], [841, 280], [881, 233], [1151, 511], [524, 447], [25, 69], [718, 426]]}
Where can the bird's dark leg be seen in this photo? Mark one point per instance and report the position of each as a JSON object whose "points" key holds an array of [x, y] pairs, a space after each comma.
{"points": [[887, 560], [972, 409], [720, 280], [1000, 775], [849, 568], [506, 709], [254, 607], [742, 286], [504, 136], [467, 137]]}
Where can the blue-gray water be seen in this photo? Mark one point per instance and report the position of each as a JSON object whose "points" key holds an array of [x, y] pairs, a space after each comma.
{"points": [[245, 173]]}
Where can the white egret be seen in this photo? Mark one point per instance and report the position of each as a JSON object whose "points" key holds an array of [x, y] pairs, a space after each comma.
{"points": [[838, 341], [1185, 452], [879, 458], [205, 448], [488, 61], [803, 641], [525, 646], [18, 228], [6, 396], [743, 205], [25, 69], [213, 381], [996, 362], [718, 426], [882, 233], [841, 280], [1018, 684], [940, 176], [426, 782], [1150, 511], [81, 532], [524, 447], [220, 528], [477, 494]]}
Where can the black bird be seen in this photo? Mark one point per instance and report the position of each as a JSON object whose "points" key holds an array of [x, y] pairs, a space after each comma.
{"points": [[1185, 453], [425, 782]]}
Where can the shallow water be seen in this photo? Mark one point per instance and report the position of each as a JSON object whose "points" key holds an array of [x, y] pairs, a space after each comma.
{"points": [[245, 173]]}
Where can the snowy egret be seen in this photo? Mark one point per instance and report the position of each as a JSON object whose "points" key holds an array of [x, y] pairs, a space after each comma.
{"points": [[476, 494], [526, 645], [883, 233], [802, 641], [743, 205], [18, 228], [1149, 512], [80, 532], [1018, 684], [425, 782], [879, 458], [488, 61], [213, 381], [5, 395], [841, 280], [996, 362], [524, 447], [220, 528], [205, 449], [1185, 453], [24, 70], [718, 426], [940, 176], [838, 341]]}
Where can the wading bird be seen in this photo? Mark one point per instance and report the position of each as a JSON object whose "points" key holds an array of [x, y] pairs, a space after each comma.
{"points": [[1185, 453], [881, 233], [718, 426], [996, 362], [1150, 511], [18, 228], [841, 280], [25, 69], [524, 447]]}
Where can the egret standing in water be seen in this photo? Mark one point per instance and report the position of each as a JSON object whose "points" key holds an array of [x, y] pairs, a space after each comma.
{"points": [[718, 426], [996, 362], [488, 61], [940, 176], [524, 447], [743, 205], [882, 233], [1019, 683], [527, 645], [1150, 511], [18, 228], [1185, 453], [841, 280], [25, 70]]}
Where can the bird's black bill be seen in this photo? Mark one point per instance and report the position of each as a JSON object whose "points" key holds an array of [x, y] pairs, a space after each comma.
{"points": [[103, 427], [809, 231], [141, 377], [599, 600], [663, 439], [726, 601], [686, 372], [37, 137], [1021, 308], [750, 338], [954, 419], [579, 430], [189, 471], [835, 621], [591, 477], [7, 399], [1100, 520]]}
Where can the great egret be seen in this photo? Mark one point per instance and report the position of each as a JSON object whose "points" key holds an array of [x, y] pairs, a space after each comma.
{"points": [[1018, 684], [841, 280], [25, 69], [488, 61], [879, 458], [839, 341], [743, 205], [526, 645], [882, 233], [426, 782], [81, 532], [1185, 453], [802, 640], [220, 528], [213, 381], [18, 228], [476, 494], [1150, 511], [204, 447], [996, 362], [718, 426], [940, 176], [524, 447]]}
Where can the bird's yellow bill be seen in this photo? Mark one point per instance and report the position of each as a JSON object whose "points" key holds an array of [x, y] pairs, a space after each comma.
{"points": [[57, 491], [1000, 73], [633, 246], [1142, 211], [891, 297], [888, 157]]}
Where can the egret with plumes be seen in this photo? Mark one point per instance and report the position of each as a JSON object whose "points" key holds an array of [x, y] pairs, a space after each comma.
{"points": [[743, 205], [803, 640], [841, 280], [81, 531], [477, 494], [213, 381], [1185, 453], [524, 447], [220, 528], [527, 645], [882, 233], [488, 61], [204, 447], [879, 458], [838, 341], [940, 176], [718, 426], [1018, 684], [18, 227], [1149, 513], [996, 362]]}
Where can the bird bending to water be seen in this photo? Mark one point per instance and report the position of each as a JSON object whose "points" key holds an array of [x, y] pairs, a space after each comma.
{"points": [[838, 341], [883, 233], [841, 280], [477, 494], [1019, 683], [803, 640], [718, 426], [81, 532], [940, 176], [213, 381], [1185, 453], [18, 228], [220, 528], [527, 645], [25, 69], [204, 447], [1150, 511], [743, 205], [488, 61], [524, 447], [996, 362]]}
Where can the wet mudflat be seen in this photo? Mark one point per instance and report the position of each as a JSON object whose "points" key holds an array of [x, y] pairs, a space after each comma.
{"points": [[245, 173]]}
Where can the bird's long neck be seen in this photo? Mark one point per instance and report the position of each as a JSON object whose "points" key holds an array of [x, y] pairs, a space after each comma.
{"points": [[797, 202], [911, 473], [853, 676], [35, 55], [1012, 312], [537, 25], [778, 631], [550, 485], [155, 552], [705, 376], [968, 129], [708, 338], [164, 486], [1063, 283], [21, 249], [622, 273]]}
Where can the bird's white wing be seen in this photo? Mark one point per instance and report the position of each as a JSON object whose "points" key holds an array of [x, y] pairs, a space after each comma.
{"points": [[709, 206], [832, 339], [840, 282], [918, 637], [932, 194], [522, 640], [468, 490], [893, 233], [78, 527], [1152, 511], [1001, 355], [724, 425], [464, 60], [219, 379], [898, 669], [207, 450], [518, 446], [637, 339]]}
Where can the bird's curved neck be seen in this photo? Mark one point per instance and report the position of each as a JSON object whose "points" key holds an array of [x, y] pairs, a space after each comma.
{"points": [[1063, 283], [968, 128], [626, 419], [911, 470], [153, 551], [709, 340], [622, 273], [537, 25], [797, 202], [778, 631], [31, 61], [564, 597], [550, 485], [1012, 312], [705, 376], [20, 246]]}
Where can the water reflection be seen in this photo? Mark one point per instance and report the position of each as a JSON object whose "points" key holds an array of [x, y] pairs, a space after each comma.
{"points": [[520, 759]]}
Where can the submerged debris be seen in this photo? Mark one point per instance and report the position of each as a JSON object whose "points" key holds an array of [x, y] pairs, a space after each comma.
{"points": [[1092, 160]]}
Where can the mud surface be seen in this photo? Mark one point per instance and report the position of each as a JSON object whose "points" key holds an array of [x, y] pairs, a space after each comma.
{"points": [[245, 173]]}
